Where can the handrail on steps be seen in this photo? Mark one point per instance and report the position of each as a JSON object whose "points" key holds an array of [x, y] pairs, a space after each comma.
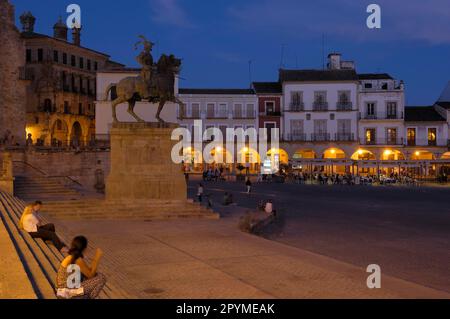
{"points": [[46, 175]]}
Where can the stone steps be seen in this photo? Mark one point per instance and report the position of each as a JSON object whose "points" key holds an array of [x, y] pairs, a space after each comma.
{"points": [[146, 210], [37, 266], [31, 188], [41, 261]]}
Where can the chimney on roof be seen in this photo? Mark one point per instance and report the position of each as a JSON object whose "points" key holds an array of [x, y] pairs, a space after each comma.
{"points": [[60, 30], [27, 20], [334, 61], [76, 35]]}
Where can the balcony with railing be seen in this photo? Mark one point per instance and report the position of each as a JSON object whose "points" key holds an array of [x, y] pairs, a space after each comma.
{"points": [[296, 136], [344, 137], [393, 86], [270, 114], [320, 137], [244, 115], [344, 106], [383, 141], [320, 106], [300, 136], [427, 142], [397, 116], [251, 114], [221, 115], [295, 107]]}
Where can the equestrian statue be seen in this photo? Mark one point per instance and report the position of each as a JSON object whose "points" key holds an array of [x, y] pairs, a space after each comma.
{"points": [[156, 82]]}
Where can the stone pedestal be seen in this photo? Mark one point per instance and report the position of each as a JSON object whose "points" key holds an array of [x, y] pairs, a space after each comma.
{"points": [[141, 164]]}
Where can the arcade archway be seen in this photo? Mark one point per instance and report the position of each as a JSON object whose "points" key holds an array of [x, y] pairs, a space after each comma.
{"points": [[392, 155], [304, 154], [364, 155], [76, 136], [422, 156], [60, 133], [334, 153], [282, 154]]}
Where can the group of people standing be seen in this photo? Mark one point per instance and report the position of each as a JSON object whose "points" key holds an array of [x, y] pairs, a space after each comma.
{"points": [[352, 179], [213, 174], [91, 282]]}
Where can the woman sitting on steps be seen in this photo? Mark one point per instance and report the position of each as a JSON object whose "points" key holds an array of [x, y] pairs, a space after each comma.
{"points": [[91, 283], [31, 222]]}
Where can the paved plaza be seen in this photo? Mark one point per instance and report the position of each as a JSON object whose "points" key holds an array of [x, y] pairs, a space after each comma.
{"points": [[326, 239], [404, 230]]}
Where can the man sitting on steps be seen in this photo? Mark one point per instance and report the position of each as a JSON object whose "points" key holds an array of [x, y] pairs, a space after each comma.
{"points": [[32, 224]]}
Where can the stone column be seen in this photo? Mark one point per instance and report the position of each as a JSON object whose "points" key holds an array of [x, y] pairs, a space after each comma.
{"points": [[141, 164]]}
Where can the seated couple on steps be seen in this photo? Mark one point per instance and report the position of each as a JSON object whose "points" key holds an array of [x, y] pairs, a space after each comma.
{"points": [[91, 282], [31, 222]]}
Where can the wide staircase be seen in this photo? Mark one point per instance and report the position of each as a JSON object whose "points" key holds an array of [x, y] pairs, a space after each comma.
{"points": [[41, 260], [31, 188], [139, 210]]}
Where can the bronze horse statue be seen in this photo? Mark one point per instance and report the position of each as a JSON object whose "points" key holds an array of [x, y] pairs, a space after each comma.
{"points": [[156, 86]]}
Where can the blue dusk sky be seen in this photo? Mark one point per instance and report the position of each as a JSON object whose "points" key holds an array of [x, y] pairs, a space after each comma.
{"points": [[217, 38]]}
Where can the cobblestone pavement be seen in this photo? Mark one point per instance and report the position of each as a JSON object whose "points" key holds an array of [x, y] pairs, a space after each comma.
{"points": [[404, 230], [191, 259]]}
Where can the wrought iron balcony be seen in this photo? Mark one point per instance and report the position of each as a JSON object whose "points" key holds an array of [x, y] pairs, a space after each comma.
{"points": [[383, 141], [320, 106], [320, 137], [426, 142], [344, 106], [270, 114], [296, 136], [344, 137], [296, 107], [382, 117]]}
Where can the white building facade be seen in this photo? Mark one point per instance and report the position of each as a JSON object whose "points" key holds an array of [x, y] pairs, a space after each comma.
{"points": [[334, 120], [219, 108]]}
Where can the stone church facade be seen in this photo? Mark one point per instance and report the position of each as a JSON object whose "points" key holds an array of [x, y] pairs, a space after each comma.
{"points": [[62, 85]]}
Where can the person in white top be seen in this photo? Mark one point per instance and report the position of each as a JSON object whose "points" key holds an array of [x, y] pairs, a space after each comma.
{"points": [[32, 224]]}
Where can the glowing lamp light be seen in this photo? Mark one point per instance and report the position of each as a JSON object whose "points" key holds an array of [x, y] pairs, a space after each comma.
{"points": [[360, 152], [245, 149], [417, 153], [219, 149], [333, 151], [387, 152]]}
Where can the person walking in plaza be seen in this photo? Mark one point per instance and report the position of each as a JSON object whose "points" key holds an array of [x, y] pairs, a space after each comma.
{"points": [[200, 191], [91, 282], [248, 183], [31, 222], [269, 209]]}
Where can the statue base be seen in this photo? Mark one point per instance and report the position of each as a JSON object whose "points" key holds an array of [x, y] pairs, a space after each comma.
{"points": [[144, 183], [141, 164]]}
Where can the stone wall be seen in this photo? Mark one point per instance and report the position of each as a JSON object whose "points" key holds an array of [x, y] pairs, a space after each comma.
{"points": [[6, 173], [80, 167], [12, 89]]}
